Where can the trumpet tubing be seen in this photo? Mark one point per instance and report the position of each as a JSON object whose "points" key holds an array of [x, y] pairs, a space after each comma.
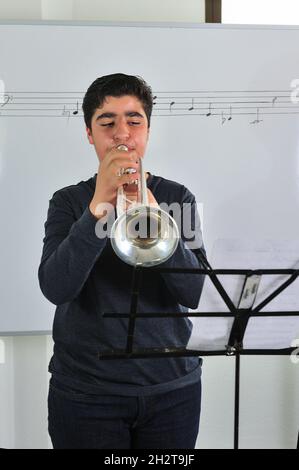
{"points": [[142, 235]]}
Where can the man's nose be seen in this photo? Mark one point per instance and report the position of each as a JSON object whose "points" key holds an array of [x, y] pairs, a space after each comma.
{"points": [[122, 131]]}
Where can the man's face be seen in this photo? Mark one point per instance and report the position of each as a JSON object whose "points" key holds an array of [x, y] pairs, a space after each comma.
{"points": [[121, 120]]}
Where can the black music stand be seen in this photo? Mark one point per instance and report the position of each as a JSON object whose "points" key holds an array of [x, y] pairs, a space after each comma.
{"points": [[240, 320]]}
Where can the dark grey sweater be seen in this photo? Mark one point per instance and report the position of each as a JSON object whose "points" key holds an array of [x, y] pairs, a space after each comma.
{"points": [[81, 274]]}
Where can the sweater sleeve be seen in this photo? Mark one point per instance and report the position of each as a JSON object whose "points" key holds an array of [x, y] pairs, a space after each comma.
{"points": [[70, 250], [186, 288]]}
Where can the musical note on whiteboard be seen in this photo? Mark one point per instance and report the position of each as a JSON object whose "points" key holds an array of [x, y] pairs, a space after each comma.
{"points": [[223, 119], [170, 106], [274, 99], [209, 113], [7, 99], [257, 120], [230, 114], [191, 107], [65, 112], [76, 111]]}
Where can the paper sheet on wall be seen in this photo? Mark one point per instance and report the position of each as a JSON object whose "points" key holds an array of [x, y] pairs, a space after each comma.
{"points": [[262, 332]]}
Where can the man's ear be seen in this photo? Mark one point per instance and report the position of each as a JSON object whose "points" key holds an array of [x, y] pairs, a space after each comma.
{"points": [[89, 136]]}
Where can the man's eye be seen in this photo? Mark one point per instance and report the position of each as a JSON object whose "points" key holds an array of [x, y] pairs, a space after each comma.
{"points": [[108, 124], [134, 123]]}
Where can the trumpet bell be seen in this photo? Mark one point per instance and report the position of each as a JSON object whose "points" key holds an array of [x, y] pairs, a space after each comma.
{"points": [[145, 236]]}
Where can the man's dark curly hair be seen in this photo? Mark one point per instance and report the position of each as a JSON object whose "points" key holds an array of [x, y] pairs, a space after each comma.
{"points": [[117, 85]]}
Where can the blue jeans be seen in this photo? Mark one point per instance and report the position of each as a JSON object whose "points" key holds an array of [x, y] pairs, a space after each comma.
{"points": [[163, 421]]}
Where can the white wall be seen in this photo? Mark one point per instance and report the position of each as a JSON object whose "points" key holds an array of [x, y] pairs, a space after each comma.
{"points": [[23, 392], [101, 10], [20, 10], [7, 411], [30, 391]]}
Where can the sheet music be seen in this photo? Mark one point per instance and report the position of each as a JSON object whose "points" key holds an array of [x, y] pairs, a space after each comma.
{"points": [[271, 332], [223, 105], [261, 332]]}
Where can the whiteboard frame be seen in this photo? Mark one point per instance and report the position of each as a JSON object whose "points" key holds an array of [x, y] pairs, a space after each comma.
{"points": [[146, 24]]}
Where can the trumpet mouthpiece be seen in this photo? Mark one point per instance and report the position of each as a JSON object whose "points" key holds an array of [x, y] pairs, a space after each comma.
{"points": [[122, 147]]}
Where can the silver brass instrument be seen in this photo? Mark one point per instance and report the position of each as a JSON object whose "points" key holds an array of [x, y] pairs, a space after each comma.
{"points": [[143, 235]]}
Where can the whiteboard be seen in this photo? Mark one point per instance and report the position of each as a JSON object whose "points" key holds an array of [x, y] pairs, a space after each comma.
{"points": [[223, 125]]}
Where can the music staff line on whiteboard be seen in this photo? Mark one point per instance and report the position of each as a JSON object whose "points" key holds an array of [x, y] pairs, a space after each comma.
{"points": [[65, 113], [169, 96], [223, 103]]}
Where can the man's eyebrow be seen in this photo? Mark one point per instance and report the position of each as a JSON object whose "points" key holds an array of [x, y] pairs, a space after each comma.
{"points": [[134, 114], [112, 115]]}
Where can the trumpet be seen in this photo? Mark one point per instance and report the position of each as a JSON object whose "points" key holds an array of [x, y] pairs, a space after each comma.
{"points": [[142, 235]]}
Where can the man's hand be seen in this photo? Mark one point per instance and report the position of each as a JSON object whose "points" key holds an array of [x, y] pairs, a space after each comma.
{"points": [[109, 178]]}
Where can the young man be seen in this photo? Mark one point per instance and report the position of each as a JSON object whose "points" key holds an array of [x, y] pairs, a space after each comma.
{"points": [[119, 403]]}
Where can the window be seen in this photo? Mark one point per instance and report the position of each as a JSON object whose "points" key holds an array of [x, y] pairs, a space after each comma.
{"points": [[280, 12]]}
